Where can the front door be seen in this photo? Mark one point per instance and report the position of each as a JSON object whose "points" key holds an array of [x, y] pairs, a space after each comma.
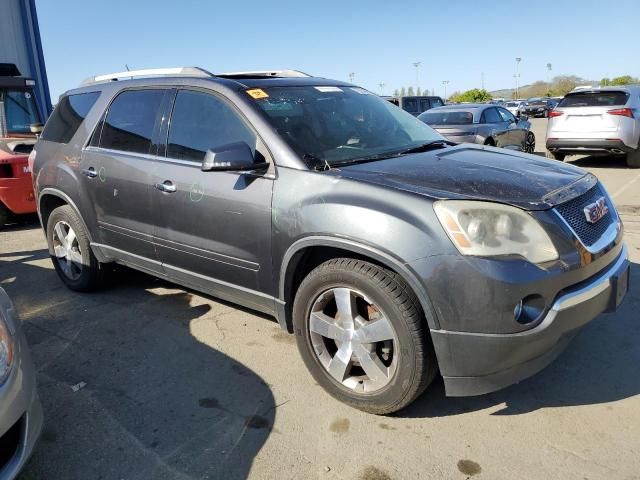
{"points": [[213, 228], [516, 134], [118, 170]]}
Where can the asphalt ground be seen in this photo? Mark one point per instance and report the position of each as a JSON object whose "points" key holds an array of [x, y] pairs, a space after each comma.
{"points": [[183, 386]]}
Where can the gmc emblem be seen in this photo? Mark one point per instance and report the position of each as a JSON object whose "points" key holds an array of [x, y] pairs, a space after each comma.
{"points": [[595, 211]]}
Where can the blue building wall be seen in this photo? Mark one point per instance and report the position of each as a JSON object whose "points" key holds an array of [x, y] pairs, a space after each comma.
{"points": [[20, 43]]}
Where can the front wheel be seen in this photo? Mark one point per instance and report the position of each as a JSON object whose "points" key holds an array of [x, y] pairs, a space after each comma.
{"points": [[71, 252], [362, 334], [530, 143]]}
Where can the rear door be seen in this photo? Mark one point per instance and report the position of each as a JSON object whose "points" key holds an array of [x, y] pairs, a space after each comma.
{"points": [[213, 229], [118, 167], [585, 114]]}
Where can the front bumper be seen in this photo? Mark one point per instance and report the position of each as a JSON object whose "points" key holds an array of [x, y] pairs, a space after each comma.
{"points": [[478, 363], [21, 415], [592, 146]]}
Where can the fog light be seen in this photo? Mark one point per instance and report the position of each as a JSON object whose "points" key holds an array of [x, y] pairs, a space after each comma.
{"points": [[530, 309]]}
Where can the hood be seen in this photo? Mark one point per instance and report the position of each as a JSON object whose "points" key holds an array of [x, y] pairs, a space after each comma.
{"points": [[475, 172]]}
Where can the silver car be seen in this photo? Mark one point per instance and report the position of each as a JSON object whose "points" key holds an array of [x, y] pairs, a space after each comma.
{"points": [[20, 409], [486, 124], [515, 107], [598, 121]]}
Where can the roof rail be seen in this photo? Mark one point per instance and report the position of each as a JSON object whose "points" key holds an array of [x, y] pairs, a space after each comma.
{"points": [[265, 73], [150, 72]]}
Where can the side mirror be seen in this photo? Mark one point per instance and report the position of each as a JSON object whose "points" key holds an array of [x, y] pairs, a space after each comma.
{"points": [[236, 157]]}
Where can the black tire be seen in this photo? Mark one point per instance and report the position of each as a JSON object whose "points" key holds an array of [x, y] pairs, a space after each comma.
{"points": [[416, 362], [91, 272], [555, 156], [489, 142], [5, 215], [633, 159]]}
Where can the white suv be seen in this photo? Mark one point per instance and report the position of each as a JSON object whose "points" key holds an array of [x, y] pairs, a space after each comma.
{"points": [[598, 121]]}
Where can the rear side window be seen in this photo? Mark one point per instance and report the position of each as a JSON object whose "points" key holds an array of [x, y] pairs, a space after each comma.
{"points": [[68, 116], [130, 121], [594, 99], [446, 118], [200, 122]]}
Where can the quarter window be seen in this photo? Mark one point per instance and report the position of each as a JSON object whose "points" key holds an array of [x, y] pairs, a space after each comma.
{"points": [[68, 115], [202, 122], [130, 121]]}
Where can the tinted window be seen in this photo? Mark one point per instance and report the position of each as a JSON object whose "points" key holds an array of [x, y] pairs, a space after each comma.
{"points": [[436, 102], [410, 105], [506, 115], [130, 121], [491, 115], [68, 115], [446, 118], [594, 99], [201, 122]]}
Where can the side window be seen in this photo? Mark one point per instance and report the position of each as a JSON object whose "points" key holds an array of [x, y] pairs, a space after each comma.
{"points": [[67, 117], [490, 115], [506, 115], [130, 121], [435, 102], [201, 122]]}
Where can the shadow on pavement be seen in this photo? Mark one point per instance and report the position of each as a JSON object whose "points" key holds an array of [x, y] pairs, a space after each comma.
{"points": [[157, 403], [612, 161], [599, 366]]}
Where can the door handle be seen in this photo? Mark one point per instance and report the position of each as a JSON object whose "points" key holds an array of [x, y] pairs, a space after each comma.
{"points": [[90, 172], [167, 186]]}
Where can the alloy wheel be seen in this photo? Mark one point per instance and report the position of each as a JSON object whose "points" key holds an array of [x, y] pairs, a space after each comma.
{"points": [[530, 143], [353, 340], [67, 250]]}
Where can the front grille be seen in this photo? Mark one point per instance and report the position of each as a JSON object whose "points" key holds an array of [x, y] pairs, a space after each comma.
{"points": [[573, 213]]}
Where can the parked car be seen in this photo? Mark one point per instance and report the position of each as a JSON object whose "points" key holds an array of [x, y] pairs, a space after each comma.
{"points": [[538, 107], [20, 409], [482, 123], [20, 121], [415, 105], [515, 107], [600, 121], [389, 253]]}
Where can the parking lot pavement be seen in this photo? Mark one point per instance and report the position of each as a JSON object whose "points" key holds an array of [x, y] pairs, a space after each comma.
{"points": [[180, 385]]}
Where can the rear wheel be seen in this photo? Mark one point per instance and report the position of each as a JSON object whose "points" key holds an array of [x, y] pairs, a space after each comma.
{"points": [[633, 159], [362, 335], [555, 156], [530, 143], [72, 257], [489, 142]]}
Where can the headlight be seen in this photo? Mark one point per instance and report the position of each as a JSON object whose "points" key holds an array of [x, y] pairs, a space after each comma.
{"points": [[6, 351], [490, 229]]}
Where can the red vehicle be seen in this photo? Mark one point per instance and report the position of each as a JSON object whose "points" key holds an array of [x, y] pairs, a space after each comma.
{"points": [[20, 122]]}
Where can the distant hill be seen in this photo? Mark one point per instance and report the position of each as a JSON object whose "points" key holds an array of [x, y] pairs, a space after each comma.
{"points": [[508, 92]]}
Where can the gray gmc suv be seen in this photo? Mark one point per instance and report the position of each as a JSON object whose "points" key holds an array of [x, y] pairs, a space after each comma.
{"points": [[389, 252]]}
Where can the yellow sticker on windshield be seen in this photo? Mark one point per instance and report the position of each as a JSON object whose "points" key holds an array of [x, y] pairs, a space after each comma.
{"points": [[257, 93]]}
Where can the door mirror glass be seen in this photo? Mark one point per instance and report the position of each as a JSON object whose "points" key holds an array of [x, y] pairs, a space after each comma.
{"points": [[232, 157]]}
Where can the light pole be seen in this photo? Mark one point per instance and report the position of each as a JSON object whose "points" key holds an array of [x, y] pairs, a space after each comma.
{"points": [[549, 67], [517, 77], [381, 85], [351, 76], [417, 65], [445, 83]]}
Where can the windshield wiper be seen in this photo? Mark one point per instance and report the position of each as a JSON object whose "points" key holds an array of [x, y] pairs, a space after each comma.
{"points": [[428, 146]]}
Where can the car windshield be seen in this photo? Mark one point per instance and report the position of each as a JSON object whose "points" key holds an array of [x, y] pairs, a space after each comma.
{"points": [[340, 124], [20, 110], [446, 118]]}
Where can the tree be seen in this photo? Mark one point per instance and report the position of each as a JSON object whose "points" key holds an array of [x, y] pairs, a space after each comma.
{"points": [[563, 84], [410, 92], [623, 80], [418, 92], [396, 93], [605, 81], [538, 89], [474, 95], [403, 92]]}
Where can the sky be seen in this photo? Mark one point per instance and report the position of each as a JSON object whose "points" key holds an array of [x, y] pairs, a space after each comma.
{"points": [[455, 40]]}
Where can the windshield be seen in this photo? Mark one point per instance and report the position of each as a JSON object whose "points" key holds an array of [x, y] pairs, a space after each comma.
{"points": [[447, 118], [20, 110], [340, 124]]}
